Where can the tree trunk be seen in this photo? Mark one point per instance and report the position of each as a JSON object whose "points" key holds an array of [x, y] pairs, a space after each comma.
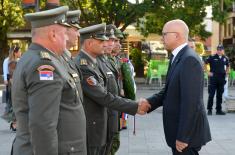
{"points": [[3, 52]]}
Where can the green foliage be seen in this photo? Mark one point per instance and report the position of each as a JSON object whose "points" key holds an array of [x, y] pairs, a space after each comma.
{"points": [[137, 58], [118, 12], [218, 13], [128, 81], [11, 17], [230, 53], [192, 12], [199, 47]]}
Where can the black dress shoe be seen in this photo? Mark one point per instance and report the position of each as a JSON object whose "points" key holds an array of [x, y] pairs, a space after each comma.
{"points": [[209, 112], [220, 113]]}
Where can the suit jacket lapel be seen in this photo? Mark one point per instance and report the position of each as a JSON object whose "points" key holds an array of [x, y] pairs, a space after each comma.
{"points": [[174, 64]]}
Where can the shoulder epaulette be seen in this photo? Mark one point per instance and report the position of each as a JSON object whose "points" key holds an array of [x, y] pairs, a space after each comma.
{"points": [[45, 55], [83, 62]]}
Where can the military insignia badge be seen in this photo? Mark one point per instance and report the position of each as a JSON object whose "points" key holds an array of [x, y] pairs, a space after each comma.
{"points": [[112, 32], [46, 72], [46, 75], [83, 62], [45, 55], [46, 67], [91, 81]]}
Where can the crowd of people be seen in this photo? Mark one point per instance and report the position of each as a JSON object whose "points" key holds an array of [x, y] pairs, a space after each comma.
{"points": [[66, 105]]}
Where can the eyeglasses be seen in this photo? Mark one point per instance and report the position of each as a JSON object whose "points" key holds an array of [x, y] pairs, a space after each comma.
{"points": [[165, 33]]}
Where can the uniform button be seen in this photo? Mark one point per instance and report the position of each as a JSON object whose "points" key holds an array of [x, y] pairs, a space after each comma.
{"points": [[72, 149], [94, 123]]}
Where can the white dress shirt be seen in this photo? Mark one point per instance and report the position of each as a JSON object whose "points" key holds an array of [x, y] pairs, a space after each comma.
{"points": [[176, 50]]}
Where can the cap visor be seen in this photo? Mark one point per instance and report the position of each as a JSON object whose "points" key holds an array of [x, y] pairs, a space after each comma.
{"points": [[65, 24]]}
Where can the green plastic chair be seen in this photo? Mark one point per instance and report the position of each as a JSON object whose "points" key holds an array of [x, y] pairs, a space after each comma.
{"points": [[232, 76]]}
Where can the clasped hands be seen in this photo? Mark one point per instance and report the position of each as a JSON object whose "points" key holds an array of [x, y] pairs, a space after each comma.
{"points": [[143, 106]]}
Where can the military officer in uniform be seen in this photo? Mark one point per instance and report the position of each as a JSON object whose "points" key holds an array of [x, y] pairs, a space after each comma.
{"points": [[115, 59], [46, 100], [96, 97], [115, 63], [72, 18], [219, 68], [112, 85]]}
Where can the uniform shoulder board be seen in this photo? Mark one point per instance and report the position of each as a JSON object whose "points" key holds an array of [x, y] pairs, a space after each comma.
{"points": [[45, 55], [83, 62]]}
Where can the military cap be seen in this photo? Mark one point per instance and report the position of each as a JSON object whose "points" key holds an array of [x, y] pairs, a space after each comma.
{"points": [[95, 31], [48, 17], [110, 31], [220, 47], [73, 18], [118, 33]]}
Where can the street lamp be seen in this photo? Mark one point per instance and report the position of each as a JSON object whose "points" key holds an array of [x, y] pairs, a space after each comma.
{"points": [[135, 1]]}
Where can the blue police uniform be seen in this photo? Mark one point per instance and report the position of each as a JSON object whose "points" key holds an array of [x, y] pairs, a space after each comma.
{"points": [[217, 80]]}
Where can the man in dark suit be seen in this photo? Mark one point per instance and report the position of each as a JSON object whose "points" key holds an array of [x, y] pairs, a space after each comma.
{"points": [[185, 122]]}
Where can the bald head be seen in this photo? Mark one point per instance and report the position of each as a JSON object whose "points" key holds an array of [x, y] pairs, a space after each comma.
{"points": [[178, 26], [175, 33]]}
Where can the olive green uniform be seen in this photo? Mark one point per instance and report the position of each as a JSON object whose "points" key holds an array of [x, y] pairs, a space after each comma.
{"points": [[49, 112], [113, 88], [97, 100]]}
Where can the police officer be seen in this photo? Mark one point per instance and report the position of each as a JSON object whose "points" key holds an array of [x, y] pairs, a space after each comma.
{"points": [[46, 100], [219, 68], [96, 97]]}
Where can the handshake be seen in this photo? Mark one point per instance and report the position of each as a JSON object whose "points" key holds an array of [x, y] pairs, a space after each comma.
{"points": [[143, 106]]}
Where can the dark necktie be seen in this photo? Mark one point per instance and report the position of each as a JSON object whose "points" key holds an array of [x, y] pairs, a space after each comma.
{"points": [[171, 60], [170, 63]]}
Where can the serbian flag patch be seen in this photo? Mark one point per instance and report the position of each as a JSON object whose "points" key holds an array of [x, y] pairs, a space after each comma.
{"points": [[46, 75]]}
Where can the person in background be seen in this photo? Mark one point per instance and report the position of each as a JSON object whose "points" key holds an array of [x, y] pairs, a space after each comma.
{"points": [[191, 43], [116, 62], [8, 63], [219, 69]]}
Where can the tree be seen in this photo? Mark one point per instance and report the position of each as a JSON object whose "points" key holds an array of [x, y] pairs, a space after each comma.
{"points": [[220, 11], [192, 12], [118, 12], [11, 17]]}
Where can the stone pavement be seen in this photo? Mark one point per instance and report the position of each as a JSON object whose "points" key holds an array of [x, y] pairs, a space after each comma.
{"points": [[149, 138]]}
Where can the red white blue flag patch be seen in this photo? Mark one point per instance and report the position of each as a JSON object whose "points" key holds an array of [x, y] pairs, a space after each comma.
{"points": [[46, 75]]}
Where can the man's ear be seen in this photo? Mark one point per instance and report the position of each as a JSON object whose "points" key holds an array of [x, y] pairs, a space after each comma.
{"points": [[52, 35], [90, 43]]}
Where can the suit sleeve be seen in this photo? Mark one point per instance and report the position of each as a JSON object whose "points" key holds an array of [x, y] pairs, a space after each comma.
{"points": [[44, 98], [156, 100], [99, 95], [191, 77]]}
